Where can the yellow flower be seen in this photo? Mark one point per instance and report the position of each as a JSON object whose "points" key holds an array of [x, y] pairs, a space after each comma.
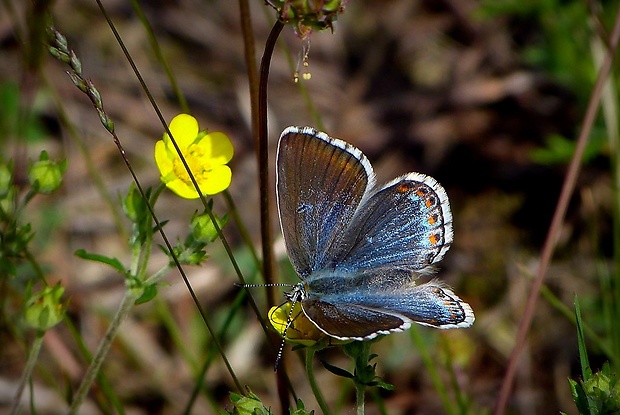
{"points": [[205, 154], [300, 331]]}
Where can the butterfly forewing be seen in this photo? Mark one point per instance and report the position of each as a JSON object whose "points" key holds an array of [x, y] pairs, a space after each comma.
{"points": [[320, 182]]}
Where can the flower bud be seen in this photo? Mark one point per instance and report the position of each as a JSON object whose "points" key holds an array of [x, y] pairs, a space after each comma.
{"points": [[44, 309], [45, 176]]}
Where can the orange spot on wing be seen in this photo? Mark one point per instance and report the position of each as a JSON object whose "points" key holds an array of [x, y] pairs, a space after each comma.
{"points": [[434, 238]]}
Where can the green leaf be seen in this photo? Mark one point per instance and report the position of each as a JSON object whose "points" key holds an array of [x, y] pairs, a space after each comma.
{"points": [[300, 410], [113, 262], [336, 370], [579, 397], [384, 385], [586, 372], [559, 150], [150, 291]]}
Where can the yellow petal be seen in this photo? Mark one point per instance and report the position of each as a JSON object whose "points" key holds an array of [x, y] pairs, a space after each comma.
{"points": [[218, 147], [162, 159], [278, 317], [182, 189], [300, 331], [184, 129], [216, 180]]}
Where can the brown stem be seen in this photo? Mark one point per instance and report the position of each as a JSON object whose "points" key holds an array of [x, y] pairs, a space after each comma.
{"points": [[263, 162], [263, 157]]}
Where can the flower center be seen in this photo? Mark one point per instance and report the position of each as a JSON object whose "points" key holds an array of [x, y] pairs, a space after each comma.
{"points": [[197, 161]]}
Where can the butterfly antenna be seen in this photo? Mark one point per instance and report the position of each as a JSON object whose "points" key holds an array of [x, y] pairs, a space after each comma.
{"points": [[289, 322], [280, 284]]}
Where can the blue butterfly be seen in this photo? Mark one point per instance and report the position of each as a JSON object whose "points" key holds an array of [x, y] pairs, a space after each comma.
{"points": [[357, 248]]}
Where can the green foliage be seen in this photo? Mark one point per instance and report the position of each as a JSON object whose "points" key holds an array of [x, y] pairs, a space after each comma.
{"points": [[250, 404], [138, 213], [597, 393], [203, 229], [16, 236], [247, 405], [113, 262], [563, 41], [365, 374], [563, 48], [45, 175], [559, 150], [13, 123], [44, 309], [192, 250]]}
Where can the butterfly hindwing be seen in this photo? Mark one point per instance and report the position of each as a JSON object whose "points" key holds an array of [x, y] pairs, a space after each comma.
{"points": [[407, 224], [381, 301]]}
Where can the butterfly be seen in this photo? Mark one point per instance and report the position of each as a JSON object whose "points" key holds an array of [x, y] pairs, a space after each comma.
{"points": [[358, 248]]}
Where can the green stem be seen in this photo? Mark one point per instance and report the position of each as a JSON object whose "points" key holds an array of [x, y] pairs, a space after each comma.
{"points": [[361, 361], [315, 388], [32, 359], [123, 311], [360, 396], [432, 370]]}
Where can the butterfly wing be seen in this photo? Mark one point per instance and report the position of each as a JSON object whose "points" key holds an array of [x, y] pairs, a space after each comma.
{"points": [[320, 182], [407, 224], [359, 250], [379, 304]]}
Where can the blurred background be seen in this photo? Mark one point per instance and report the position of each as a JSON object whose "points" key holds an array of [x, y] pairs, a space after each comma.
{"points": [[485, 96]]}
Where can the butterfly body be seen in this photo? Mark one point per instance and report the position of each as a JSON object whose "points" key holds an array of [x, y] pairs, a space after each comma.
{"points": [[359, 249]]}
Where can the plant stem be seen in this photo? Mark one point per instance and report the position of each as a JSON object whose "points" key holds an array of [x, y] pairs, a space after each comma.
{"points": [[315, 388], [263, 162], [124, 308], [361, 361], [266, 231], [360, 396], [32, 359], [431, 368]]}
